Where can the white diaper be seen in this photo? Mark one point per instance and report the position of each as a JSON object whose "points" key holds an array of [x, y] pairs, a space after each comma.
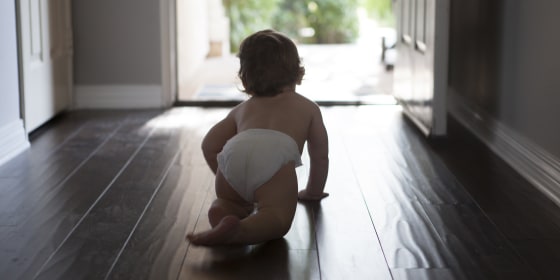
{"points": [[252, 157]]}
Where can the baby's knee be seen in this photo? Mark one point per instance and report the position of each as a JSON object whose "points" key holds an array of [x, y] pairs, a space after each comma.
{"points": [[284, 223], [215, 209], [285, 228], [240, 210]]}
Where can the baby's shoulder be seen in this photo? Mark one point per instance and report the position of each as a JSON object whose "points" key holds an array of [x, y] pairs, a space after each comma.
{"points": [[304, 100], [239, 108], [308, 104]]}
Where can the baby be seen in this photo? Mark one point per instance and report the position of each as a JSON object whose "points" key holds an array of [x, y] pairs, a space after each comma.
{"points": [[255, 149]]}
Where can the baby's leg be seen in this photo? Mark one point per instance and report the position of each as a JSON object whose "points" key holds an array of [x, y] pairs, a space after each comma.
{"points": [[229, 202], [277, 201], [276, 207], [224, 214]]}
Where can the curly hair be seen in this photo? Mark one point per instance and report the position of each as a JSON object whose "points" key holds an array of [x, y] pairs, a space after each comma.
{"points": [[269, 62]]}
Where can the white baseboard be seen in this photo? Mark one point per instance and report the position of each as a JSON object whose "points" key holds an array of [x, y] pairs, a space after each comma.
{"points": [[118, 96], [13, 140], [535, 164]]}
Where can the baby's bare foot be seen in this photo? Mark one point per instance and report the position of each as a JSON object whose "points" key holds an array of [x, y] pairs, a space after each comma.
{"points": [[219, 235]]}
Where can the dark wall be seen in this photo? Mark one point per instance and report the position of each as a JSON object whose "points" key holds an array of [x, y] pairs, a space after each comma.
{"points": [[474, 47], [117, 42], [533, 107], [504, 59]]}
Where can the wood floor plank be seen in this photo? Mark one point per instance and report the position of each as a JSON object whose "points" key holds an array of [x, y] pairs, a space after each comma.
{"points": [[423, 274], [157, 247], [51, 211], [346, 237], [279, 259], [476, 250], [521, 213], [37, 168], [400, 206], [45, 206], [417, 217], [94, 242], [542, 254], [54, 136], [293, 257], [271, 260], [49, 162], [50, 141], [474, 240], [8, 186]]}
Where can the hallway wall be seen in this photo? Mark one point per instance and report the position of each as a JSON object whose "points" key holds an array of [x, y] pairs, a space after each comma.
{"points": [[503, 83], [117, 53], [532, 91]]}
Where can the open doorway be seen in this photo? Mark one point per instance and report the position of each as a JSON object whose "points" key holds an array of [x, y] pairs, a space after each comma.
{"points": [[340, 68]]}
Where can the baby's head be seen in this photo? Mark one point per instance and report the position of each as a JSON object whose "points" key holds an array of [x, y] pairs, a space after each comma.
{"points": [[269, 63]]}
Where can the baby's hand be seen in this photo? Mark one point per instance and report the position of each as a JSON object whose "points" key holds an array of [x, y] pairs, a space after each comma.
{"points": [[305, 196]]}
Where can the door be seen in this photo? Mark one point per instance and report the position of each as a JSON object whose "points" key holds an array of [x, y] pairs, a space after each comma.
{"points": [[420, 76], [46, 59]]}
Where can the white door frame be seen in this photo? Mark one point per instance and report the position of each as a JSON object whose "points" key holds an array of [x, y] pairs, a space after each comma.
{"points": [[168, 26]]}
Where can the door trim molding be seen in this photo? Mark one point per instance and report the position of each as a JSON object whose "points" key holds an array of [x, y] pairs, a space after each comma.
{"points": [[535, 164], [13, 140], [118, 96], [168, 52]]}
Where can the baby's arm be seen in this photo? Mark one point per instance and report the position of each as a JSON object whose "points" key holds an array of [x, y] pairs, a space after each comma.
{"points": [[215, 140], [318, 148]]}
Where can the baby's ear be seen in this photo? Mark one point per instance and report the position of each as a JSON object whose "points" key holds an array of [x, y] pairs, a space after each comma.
{"points": [[301, 73]]}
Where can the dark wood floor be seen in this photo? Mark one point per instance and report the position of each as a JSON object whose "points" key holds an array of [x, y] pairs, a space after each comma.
{"points": [[110, 195]]}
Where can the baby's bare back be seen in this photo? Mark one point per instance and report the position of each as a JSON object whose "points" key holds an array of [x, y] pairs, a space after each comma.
{"points": [[288, 112]]}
